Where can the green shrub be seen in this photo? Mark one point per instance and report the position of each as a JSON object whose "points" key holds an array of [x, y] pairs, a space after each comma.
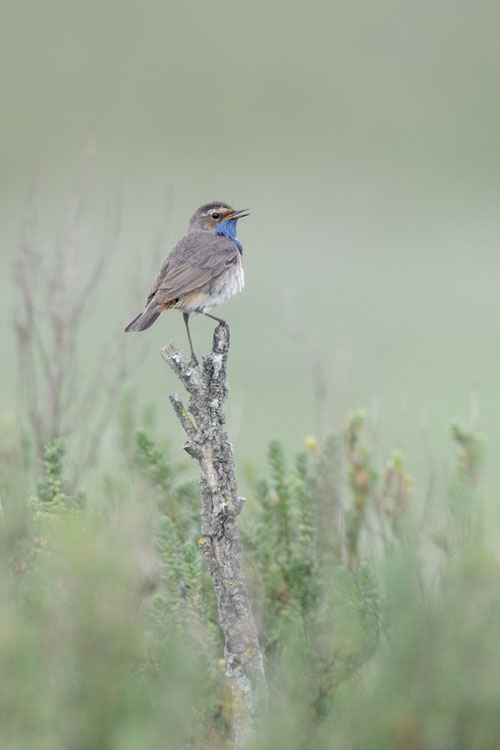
{"points": [[379, 626]]}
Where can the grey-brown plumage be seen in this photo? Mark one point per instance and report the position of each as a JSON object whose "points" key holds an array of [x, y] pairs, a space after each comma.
{"points": [[204, 269]]}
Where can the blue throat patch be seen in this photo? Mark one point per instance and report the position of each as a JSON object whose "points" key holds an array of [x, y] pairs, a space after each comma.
{"points": [[228, 229]]}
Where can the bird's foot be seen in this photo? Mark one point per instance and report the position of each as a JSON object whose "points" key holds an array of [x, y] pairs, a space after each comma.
{"points": [[219, 320]]}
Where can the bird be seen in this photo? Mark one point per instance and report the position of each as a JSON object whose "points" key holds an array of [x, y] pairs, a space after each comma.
{"points": [[203, 270]]}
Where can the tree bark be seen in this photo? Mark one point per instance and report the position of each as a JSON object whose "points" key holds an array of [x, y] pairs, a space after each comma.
{"points": [[208, 442]]}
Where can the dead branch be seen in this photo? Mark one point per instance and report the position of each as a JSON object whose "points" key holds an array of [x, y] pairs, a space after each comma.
{"points": [[208, 442], [53, 297]]}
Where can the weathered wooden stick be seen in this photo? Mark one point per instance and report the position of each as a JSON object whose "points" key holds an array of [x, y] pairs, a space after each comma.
{"points": [[208, 442]]}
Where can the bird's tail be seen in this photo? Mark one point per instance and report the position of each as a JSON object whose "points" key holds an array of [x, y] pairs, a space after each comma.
{"points": [[145, 319]]}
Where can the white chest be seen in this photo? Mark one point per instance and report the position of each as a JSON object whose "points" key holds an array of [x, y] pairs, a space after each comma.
{"points": [[216, 292], [225, 287]]}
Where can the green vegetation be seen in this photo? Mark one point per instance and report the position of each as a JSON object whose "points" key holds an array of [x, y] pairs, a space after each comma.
{"points": [[363, 137], [378, 618]]}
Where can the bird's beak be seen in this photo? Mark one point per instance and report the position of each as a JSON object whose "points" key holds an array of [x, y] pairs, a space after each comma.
{"points": [[239, 214]]}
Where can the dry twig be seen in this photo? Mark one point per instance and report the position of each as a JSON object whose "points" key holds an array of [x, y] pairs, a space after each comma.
{"points": [[53, 297], [208, 442]]}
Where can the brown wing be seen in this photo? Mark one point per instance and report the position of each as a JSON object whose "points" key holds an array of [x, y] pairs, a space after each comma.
{"points": [[196, 260]]}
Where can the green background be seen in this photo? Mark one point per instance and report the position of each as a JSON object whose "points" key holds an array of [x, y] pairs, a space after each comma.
{"points": [[363, 137]]}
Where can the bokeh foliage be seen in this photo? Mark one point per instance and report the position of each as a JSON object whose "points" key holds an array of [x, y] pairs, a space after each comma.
{"points": [[364, 138], [378, 619]]}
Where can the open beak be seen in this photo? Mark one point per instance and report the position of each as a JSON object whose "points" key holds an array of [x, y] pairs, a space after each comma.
{"points": [[239, 214]]}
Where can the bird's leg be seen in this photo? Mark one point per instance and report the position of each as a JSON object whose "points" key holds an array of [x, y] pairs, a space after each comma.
{"points": [[214, 317], [186, 323]]}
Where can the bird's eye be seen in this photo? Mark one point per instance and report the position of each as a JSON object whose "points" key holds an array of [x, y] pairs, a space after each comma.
{"points": [[215, 215]]}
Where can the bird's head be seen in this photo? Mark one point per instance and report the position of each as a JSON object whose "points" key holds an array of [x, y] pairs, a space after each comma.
{"points": [[212, 215]]}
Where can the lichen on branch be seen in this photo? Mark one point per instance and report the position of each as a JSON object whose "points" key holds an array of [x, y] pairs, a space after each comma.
{"points": [[207, 441]]}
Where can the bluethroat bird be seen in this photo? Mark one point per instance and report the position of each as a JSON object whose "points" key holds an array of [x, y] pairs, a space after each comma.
{"points": [[204, 269]]}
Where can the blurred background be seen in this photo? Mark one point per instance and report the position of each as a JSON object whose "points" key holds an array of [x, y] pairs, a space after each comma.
{"points": [[363, 136], [364, 139]]}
